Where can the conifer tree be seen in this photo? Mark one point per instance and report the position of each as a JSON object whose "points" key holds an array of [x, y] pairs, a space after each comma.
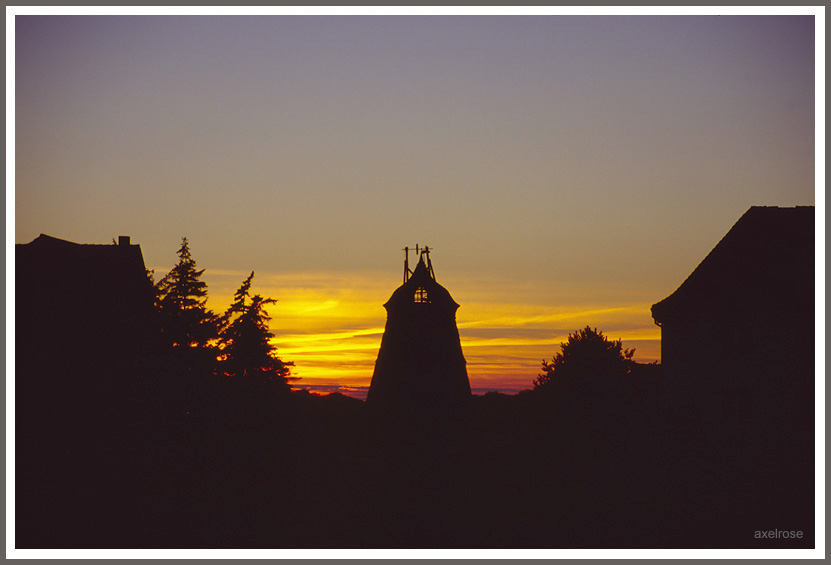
{"points": [[245, 351], [182, 297]]}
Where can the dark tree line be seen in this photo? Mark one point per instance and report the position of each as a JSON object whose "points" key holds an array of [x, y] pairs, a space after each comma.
{"points": [[233, 345]]}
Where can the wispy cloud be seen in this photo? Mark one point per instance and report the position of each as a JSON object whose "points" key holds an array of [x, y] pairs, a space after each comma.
{"points": [[331, 324]]}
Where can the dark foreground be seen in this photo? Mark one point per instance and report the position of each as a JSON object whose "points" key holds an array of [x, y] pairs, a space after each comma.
{"points": [[245, 468]]}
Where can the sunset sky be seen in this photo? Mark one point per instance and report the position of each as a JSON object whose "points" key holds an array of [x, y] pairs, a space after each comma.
{"points": [[566, 170]]}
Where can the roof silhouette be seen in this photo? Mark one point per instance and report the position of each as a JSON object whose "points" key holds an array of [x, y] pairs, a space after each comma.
{"points": [[764, 261], [110, 258]]}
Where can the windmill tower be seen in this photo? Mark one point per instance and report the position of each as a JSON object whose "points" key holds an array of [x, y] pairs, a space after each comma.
{"points": [[420, 375]]}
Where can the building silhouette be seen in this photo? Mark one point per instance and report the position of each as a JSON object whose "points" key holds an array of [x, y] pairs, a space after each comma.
{"points": [[742, 324], [85, 339], [85, 309], [420, 375], [737, 349]]}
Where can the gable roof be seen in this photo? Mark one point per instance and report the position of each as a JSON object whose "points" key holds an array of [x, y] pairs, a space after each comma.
{"points": [[766, 259]]}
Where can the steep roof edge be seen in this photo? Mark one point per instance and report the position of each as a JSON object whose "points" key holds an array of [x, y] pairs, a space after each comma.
{"points": [[753, 215]]}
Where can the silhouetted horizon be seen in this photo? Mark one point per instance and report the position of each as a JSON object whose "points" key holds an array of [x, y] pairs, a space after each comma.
{"points": [[185, 428], [360, 392]]}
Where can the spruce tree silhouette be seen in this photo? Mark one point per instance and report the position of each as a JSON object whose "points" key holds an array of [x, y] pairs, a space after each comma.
{"points": [[189, 330], [245, 352], [182, 296]]}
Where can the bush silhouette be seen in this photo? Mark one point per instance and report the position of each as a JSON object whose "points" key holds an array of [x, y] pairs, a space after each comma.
{"points": [[586, 358]]}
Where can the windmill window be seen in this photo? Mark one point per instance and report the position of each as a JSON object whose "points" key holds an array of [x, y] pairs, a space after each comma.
{"points": [[420, 296]]}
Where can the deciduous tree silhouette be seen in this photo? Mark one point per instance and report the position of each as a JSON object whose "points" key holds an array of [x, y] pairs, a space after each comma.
{"points": [[245, 350], [587, 355]]}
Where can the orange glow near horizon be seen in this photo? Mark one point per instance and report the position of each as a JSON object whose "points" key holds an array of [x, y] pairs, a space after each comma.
{"points": [[551, 201], [330, 326]]}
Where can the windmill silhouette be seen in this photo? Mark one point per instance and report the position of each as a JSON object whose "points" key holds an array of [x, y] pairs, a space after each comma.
{"points": [[420, 375]]}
